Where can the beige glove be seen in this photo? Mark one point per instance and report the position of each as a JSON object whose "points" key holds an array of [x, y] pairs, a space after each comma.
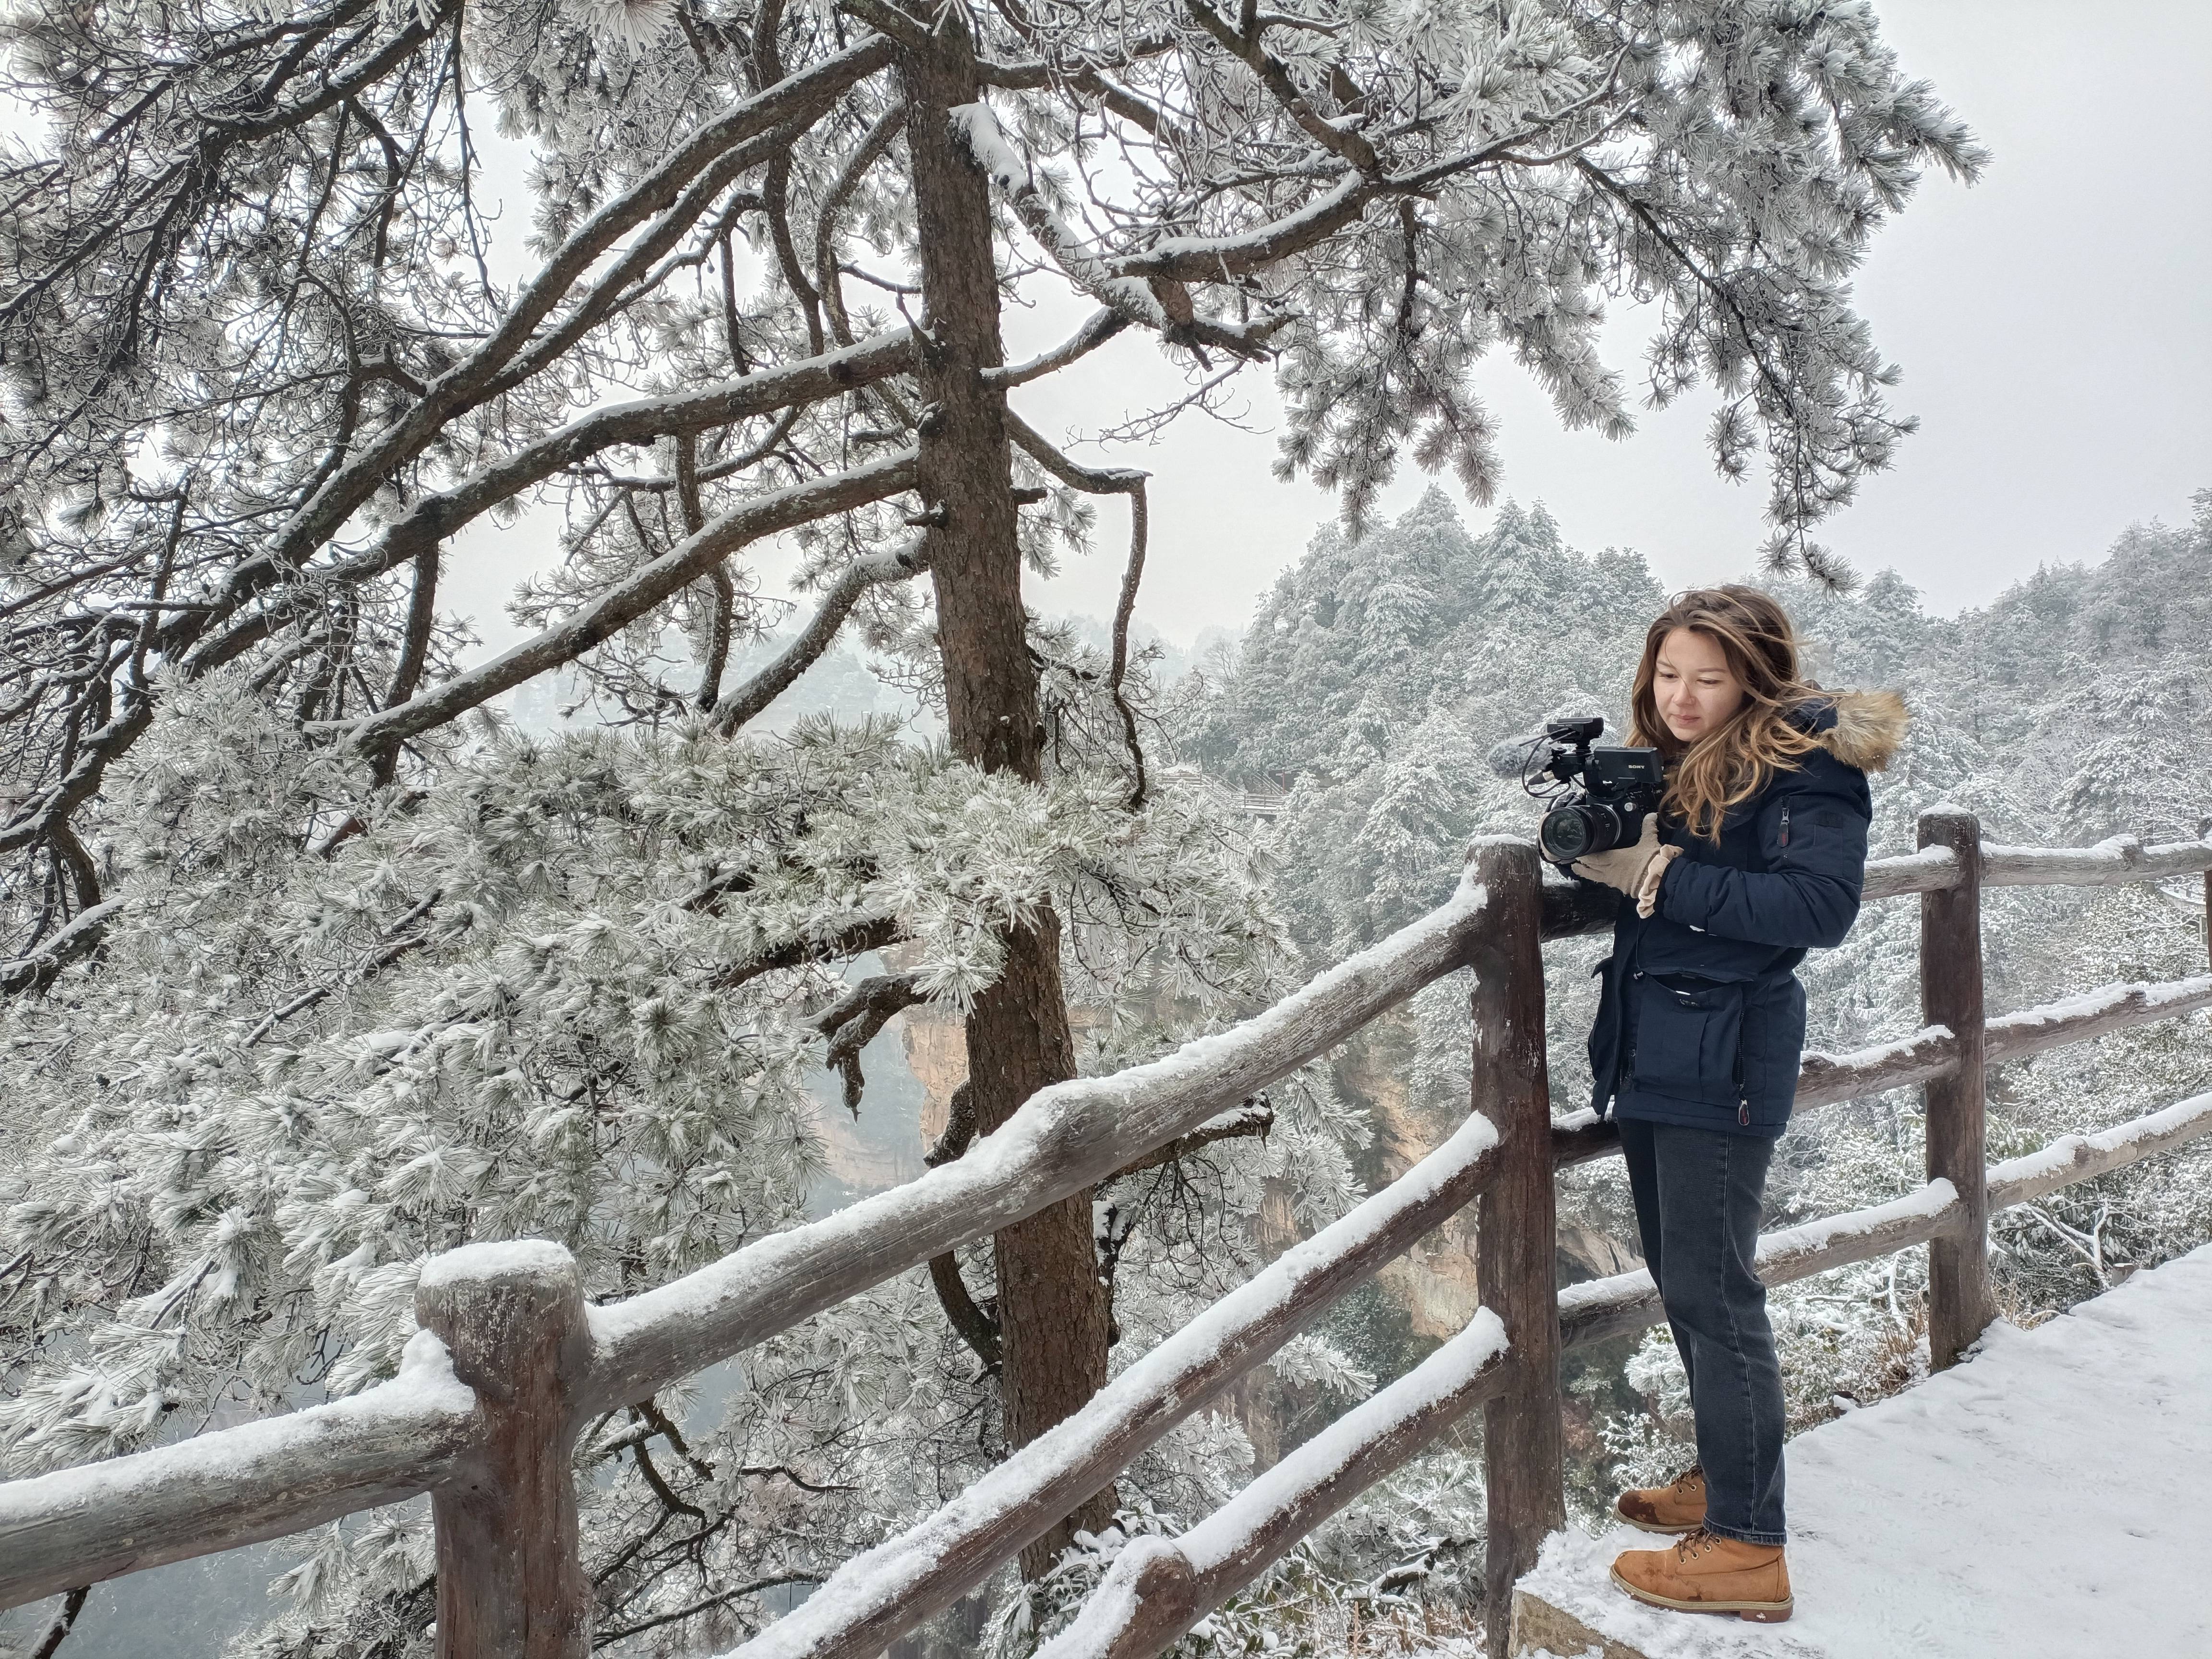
{"points": [[1636, 871]]}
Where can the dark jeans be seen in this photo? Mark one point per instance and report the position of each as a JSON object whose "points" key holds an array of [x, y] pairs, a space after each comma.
{"points": [[1697, 1193]]}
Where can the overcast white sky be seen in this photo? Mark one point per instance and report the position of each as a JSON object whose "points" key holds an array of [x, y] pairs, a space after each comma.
{"points": [[2053, 323]]}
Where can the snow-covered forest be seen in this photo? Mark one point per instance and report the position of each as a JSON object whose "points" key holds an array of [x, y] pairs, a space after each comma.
{"points": [[330, 941]]}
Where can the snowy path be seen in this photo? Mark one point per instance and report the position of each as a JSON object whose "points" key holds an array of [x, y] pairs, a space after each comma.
{"points": [[2050, 1499]]}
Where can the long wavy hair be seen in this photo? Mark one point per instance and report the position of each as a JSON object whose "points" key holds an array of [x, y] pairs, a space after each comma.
{"points": [[1732, 763]]}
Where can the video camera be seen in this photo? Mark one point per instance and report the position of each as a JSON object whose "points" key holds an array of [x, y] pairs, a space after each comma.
{"points": [[1619, 786]]}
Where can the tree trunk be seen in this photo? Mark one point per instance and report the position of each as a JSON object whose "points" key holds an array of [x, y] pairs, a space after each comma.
{"points": [[1051, 1304]]}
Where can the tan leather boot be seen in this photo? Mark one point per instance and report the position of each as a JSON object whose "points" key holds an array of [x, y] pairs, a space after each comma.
{"points": [[1674, 1509], [1706, 1574]]}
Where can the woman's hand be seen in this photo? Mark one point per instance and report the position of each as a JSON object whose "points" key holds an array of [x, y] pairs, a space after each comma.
{"points": [[1636, 871]]}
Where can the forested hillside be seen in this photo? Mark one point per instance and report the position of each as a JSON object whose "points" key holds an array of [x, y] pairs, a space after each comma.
{"points": [[1377, 676]]}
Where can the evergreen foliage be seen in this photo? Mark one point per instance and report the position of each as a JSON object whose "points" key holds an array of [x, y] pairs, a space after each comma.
{"points": [[538, 1006]]}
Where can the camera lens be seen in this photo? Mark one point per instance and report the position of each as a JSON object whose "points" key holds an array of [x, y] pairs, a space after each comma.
{"points": [[1568, 833]]}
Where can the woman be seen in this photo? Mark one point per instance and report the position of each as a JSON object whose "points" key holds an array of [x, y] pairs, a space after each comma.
{"points": [[1756, 856]]}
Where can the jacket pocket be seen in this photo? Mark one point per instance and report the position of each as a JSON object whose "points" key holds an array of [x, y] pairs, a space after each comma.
{"points": [[1773, 1045], [1689, 1039]]}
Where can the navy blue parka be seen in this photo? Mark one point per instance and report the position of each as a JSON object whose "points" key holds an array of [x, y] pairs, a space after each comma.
{"points": [[1701, 1021]]}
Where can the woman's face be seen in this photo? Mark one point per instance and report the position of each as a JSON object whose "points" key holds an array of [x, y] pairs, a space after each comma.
{"points": [[1696, 689]]}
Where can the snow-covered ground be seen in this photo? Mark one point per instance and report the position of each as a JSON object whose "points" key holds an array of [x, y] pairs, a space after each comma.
{"points": [[2046, 1500]]}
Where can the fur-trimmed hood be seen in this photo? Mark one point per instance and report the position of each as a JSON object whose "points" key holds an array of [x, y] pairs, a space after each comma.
{"points": [[1860, 728]]}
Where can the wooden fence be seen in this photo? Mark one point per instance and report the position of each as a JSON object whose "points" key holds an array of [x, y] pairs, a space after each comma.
{"points": [[511, 1362]]}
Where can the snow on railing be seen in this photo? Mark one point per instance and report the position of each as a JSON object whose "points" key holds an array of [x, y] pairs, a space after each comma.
{"points": [[1600, 1308], [519, 1325], [240, 1485], [874, 1597], [2093, 1014], [2120, 858], [1924, 872], [2078, 1157], [1158, 1588]]}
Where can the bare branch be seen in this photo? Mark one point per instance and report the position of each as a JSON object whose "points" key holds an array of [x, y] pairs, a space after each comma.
{"points": [[749, 699], [1091, 480], [1098, 328], [38, 968], [398, 943], [973, 1326], [870, 149], [619, 606], [959, 1128], [852, 1022], [1255, 1117], [1132, 573], [63, 1622], [854, 937]]}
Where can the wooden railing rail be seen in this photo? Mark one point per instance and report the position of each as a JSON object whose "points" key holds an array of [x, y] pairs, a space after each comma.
{"points": [[1824, 1079], [511, 1362], [876, 1597], [2109, 863], [256, 1481], [1603, 1308], [1932, 1053], [1159, 1588], [1571, 909], [261, 1480]]}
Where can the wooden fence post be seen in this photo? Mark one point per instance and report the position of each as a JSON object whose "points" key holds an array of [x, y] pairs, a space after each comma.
{"points": [[1959, 1305], [1516, 1228], [510, 1568], [2204, 833]]}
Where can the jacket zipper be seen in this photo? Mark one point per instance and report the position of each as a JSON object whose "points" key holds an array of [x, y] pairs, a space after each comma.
{"points": [[1742, 1094], [1783, 839]]}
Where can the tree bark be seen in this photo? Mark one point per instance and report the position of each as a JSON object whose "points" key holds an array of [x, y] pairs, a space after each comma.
{"points": [[1051, 1304]]}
